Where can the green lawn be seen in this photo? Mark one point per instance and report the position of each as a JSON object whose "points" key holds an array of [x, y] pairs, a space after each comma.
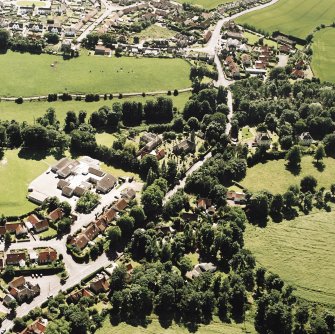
{"points": [[29, 111], [207, 4], [294, 17], [301, 251], [155, 32], [323, 62], [27, 75], [15, 175], [30, 3], [49, 233], [274, 177], [252, 38], [216, 327]]}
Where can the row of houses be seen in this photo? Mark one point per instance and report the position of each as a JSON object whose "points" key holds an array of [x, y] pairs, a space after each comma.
{"points": [[101, 223], [41, 256]]}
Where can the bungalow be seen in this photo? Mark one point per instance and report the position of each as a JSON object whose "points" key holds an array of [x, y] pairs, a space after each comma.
{"points": [[67, 191], [100, 284], [128, 194], [14, 26], [80, 241], [91, 232], [101, 224], [263, 139], [35, 27], [101, 50], [96, 172], [47, 255], [55, 29], [199, 269], [306, 139], [106, 183], [65, 167], [15, 258], [41, 226], [44, 10], [120, 204], [76, 295], [109, 215], [236, 197]]}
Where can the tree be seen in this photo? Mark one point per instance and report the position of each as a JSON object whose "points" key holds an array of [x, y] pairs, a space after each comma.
{"points": [[258, 207], [320, 153], [118, 278], [4, 39], [87, 202], [51, 38], [293, 156], [171, 171], [126, 225], [149, 162], [58, 326], [276, 207], [19, 324], [138, 214], [308, 184], [8, 239], [113, 235], [302, 315], [152, 200], [318, 325], [185, 265]]}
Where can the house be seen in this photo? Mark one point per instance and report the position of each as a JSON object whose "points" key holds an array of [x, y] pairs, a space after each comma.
{"points": [[96, 172], [67, 191], [106, 183], [47, 255], [75, 296], [204, 203], [306, 139], [263, 139], [2, 231], [56, 214], [80, 241], [14, 26], [120, 204], [207, 36], [22, 290], [184, 147], [246, 59], [109, 215], [285, 49], [65, 167], [62, 183], [101, 224], [41, 226], [35, 27], [101, 50], [7, 299], [128, 194], [92, 231], [189, 216], [100, 284], [199, 269], [15, 258], [39, 326], [11, 227], [236, 197], [299, 74], [150, 141], [55, 29]]}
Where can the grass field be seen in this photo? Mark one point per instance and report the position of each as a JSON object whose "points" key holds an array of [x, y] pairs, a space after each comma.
{"points": [[30, 3], [207, 4], [301, 251], [155, 32], [15, 175], [323, 62], [34, 74], [294, 17], [28, 111], [216, 327], [274, 177]]}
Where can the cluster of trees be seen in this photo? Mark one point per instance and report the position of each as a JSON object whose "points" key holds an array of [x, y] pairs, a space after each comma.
{"points": [[87, 202], [311, 108]]}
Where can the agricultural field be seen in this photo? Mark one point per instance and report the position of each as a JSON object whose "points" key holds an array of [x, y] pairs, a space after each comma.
{"points": [[17, 170], [207, 4], [155, 32], [323, 62], [44, 74], [216, 327], [261, 176], [301, 252], [29, 111], [294, 17]]}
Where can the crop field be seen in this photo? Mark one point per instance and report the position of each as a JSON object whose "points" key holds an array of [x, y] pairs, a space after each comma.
{"points": [[274, 177], [16, 172], [215, 327], [294, 17], [29, 111], [207, 4], [301, 252], [43, 74], [323, 62]]}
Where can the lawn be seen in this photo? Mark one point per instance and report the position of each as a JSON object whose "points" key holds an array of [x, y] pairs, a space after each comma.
{"points": [[216, 327], [35, 75], [29, 111], [105, 138], [252, 38], [295, 17], [30, 3], [207, 4], [49, 233], [274, 177], [301, 251], [155, 32], [323, 62], [15, 175]]}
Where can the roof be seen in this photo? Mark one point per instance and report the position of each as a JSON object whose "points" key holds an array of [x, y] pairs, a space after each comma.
{"points": [[60, 164], [2, 230], [92, 231], [129, 193], [21, 229], [67, 191], [109, 214], [107, 182], [33, 219], [56, 214], [62, 183], [16, 282], [16, 257], [120, 204], [100, 284], [36, 327], [101, 224], [11, 227], [47, 254], [96, 172], [44, 224], [81, 241]]}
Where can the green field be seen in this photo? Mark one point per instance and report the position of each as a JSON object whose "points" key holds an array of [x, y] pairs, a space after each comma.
{"points": [[29, 111], [207, 4], [216, 327], [31, 75], [301, 251], [155, 32], [30, 3], [294, 17], [15, 175], [323, 62], [274, 177]]}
